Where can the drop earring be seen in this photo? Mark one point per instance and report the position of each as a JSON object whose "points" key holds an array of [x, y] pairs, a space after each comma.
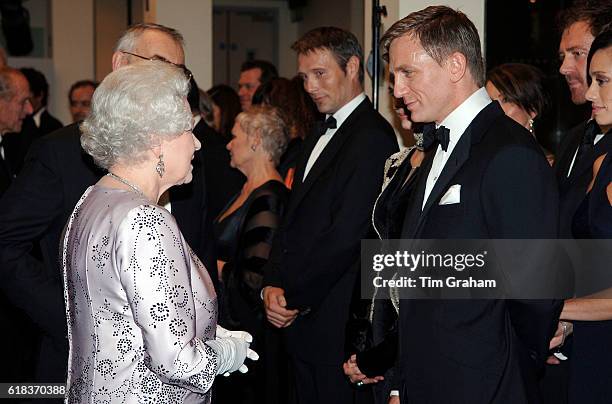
{"points": [[160, 167], [530, 125]]}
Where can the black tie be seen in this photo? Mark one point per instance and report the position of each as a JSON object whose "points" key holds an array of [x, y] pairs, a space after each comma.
{"points": [[588, 141], [322, 126], [433, 136]]}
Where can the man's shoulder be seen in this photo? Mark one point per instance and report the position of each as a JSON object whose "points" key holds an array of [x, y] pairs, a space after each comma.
{"points": [[67, 135]]}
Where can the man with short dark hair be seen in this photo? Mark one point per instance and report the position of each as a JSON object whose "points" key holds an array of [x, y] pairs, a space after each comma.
{"points": [[313, 265], [468, 351], [37, 205], [45, 122], [253, 73], [79, 99], [579, 24]]}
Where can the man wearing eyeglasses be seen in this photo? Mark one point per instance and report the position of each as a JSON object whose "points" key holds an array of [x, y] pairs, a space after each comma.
{"points": [[37, 205]]}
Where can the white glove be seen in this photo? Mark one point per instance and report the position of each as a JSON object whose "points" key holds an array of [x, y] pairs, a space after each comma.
{"points": [[232, 352], [224, 333]]}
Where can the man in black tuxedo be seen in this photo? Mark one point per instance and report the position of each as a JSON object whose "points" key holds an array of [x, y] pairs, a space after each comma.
{"points": [[17, 338], [580, 24], [38, 124], [315, 259], [37, 205], [484, 177], [222, 181]]}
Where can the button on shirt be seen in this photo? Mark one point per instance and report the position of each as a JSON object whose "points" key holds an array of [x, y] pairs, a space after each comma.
{"points": [[456, 122], [340, 117]]}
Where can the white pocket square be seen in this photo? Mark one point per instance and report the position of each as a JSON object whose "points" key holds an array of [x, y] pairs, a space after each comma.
{"points": [[452, 196]]}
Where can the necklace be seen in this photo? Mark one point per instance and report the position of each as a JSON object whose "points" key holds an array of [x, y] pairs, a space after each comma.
{"points": [[126, 182]]}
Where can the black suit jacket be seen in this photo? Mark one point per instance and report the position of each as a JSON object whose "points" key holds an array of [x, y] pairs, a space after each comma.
{"points": [[315, 258], [481, 351], [16, 145], [222, 181], [35, 209]]}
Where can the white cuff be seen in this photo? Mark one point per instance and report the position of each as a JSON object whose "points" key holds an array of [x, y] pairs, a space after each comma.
{"points": [[394, 393]]}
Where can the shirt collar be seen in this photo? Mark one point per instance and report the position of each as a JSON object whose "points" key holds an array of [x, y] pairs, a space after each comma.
{"points": [[347, 109], [37, 116], [461, 117]]}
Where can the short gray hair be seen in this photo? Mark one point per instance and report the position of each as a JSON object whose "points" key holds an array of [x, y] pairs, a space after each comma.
{"points": [[127, 42], [7, 88], [269, 123], [132, 109]]}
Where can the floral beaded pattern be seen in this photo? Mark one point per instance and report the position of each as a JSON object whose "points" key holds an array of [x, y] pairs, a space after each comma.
{"points": [[139, 304]]}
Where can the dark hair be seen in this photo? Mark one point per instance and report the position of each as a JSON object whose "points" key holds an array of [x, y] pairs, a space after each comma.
{"points": [[520, 84], [601, 41], [441, 31], [596, 13], [342, 44], [268, 70], [81, 83], [290, 97], [38, 83], [228, 102], [193, 96]]}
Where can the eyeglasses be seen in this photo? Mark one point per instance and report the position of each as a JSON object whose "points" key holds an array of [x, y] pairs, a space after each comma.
{"points": [[157, 58]]}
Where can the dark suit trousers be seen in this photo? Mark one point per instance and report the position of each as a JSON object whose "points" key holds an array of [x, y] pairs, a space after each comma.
{"points": [[319, 384]]}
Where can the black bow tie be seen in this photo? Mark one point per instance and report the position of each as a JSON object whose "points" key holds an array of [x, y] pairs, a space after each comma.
{"points": [[433, 136], [591, 131], [329, 123]]}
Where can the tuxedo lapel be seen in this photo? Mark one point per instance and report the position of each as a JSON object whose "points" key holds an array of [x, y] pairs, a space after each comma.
{"points": [[459, 156], [326, 158]]}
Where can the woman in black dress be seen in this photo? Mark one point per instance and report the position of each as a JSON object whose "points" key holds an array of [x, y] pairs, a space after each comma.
{"points": [[591, 316], [373, 364], [244, 233]]}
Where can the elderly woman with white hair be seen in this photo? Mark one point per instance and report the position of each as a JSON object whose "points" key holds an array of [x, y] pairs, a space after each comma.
{"points": [[141, 308], [244, 232]]}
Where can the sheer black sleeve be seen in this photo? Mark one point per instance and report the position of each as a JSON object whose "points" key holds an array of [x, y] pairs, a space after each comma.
{"points": [[261, 221]]}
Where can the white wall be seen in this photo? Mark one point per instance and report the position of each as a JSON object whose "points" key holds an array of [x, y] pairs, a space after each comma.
{"points": [[193, 19], [287, 31], [72, 50]]}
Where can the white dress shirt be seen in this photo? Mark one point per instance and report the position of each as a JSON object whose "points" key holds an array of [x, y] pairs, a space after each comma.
{"points": [[456, 122], [36, 116], [340, 116]]}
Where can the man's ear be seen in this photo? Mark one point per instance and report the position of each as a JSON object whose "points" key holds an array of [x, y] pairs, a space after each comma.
{"points": [[456, 64], [352, 67], [119, 59]]}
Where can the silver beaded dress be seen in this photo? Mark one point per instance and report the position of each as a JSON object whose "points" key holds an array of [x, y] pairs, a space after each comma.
{"points": [[139, 305]]}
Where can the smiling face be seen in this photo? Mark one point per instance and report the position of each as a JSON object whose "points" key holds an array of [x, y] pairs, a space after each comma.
{"points": [[573, 51], [327, 84], [423, 85], [600, 91]]}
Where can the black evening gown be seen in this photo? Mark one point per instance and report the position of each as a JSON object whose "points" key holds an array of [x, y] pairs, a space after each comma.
{"points": [[244, 239], [375, 340], [591, 357]]}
